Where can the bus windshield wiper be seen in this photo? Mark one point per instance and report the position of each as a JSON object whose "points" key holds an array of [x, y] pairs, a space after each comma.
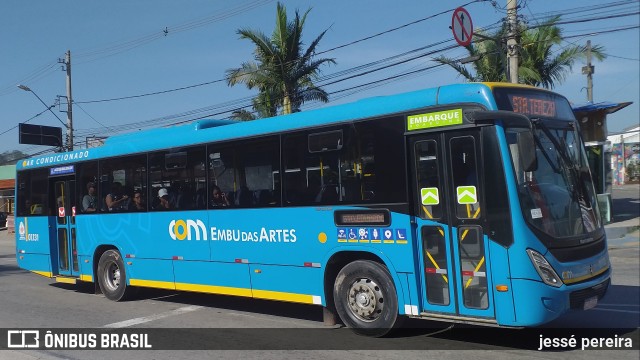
{"points": [[564, 156], [545, 154]]}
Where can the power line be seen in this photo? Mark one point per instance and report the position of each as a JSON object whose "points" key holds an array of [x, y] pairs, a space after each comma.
{"points": [[394, 29], [94, 119], [224, 80], [589, 19], [32, 77], [245, 102], [151, 93], [227, 107], [342, 75], [120, 47], [124, 46], [31, 118], [348, 44]]}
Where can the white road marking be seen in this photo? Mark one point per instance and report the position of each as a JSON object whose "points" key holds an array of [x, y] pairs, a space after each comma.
{"points": [[615, 310], [141, 320]]}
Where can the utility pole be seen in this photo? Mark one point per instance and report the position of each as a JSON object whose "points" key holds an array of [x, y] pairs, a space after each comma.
{"points": [[624, 160], [589, 70], [67, 65], [512, 41]]}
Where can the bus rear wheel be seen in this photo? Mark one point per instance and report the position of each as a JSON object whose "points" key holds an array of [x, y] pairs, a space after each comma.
{"points": [[112, 276], [365, 298]]}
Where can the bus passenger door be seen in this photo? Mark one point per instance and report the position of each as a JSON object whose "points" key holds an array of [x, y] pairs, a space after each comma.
{"points": [[448, 214], [66, 254]]}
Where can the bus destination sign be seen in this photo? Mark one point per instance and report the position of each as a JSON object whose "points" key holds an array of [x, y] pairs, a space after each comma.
{"points": [[533, 103], [529, 105]]}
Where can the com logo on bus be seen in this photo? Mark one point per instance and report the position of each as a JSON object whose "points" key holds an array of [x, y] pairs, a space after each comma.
{"points": [[187, 229]]}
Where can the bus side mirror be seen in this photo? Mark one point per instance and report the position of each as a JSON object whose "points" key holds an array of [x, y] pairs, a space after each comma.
{"points": [[527, 151]]}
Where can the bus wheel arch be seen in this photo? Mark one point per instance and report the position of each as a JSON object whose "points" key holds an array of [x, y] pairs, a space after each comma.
{"points": [[361, 289]]}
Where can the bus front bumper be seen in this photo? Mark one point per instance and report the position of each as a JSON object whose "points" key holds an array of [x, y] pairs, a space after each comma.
{"points": [[549, 302]]}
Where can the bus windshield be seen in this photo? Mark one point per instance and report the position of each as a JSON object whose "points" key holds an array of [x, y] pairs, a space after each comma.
{"points": [[558, 197]]}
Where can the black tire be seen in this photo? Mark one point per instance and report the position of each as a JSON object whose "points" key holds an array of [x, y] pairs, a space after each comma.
{"points": [[112, 276], [365, 298]]}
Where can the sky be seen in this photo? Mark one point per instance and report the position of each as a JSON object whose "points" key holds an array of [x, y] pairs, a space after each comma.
{"points": [[179, 51]]}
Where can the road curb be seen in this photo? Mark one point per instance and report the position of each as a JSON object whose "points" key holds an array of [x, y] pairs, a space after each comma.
{"points": [[620, 229]]}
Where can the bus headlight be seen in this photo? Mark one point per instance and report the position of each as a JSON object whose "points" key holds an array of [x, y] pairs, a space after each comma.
{"points": [[544, 269]]}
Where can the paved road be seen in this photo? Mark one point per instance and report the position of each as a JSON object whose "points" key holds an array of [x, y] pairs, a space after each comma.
{"points": [[625, 201]]}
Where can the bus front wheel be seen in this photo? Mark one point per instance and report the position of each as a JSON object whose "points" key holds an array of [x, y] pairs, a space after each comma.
{"points": [[112, 276], [365, 298]]}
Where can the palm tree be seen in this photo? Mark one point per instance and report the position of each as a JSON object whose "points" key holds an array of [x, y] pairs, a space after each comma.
{"points": [[263, 106], [490, 64], [539, 64], [282, 71], [541, 67]]}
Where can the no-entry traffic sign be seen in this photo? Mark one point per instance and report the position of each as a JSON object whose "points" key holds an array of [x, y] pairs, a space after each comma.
{"points": [[462, 26]]}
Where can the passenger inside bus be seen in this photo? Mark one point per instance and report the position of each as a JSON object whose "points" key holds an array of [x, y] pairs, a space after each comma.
{"points": [[218, 198], [116, 200], [138, 201], [244, 197], [90, 201], [163, 196]]}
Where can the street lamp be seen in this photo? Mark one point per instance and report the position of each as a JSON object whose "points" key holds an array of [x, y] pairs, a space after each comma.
{"points": [[69, 142]]}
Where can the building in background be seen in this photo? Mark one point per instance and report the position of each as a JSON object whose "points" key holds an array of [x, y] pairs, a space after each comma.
{"points": [[7, 191], [7, 188], [592, 118], [625, 156]]}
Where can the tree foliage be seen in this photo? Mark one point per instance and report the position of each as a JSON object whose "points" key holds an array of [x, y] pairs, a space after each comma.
{"points": [[282, 71], [11, 157], [543, 60]]}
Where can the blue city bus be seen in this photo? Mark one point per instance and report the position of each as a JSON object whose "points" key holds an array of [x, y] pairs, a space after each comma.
{"points": [[469, 203]]}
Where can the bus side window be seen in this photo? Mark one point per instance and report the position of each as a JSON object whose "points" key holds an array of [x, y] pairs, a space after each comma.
{"points": [[118, 179], [222, 174], [32, 192], [428, 178], [246, 172], [257, 162], [465, 177], [346, 164], [296, 182], [87, 177], [182, 173]]}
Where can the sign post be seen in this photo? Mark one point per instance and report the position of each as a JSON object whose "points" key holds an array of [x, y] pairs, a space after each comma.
{"points": [[462, 26]]}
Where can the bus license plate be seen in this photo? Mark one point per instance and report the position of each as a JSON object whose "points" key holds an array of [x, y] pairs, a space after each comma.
{"points": [[590, 303]]}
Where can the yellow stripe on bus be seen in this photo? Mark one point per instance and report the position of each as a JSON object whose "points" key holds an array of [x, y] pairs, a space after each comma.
{"points": [[42, 273], [282, 296], [211, 289], [153, 284], [224, 290], [66, 280], [585, 277]]}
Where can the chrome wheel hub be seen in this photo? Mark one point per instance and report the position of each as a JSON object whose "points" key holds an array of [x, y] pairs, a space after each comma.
{"points": [[365, 299]]}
